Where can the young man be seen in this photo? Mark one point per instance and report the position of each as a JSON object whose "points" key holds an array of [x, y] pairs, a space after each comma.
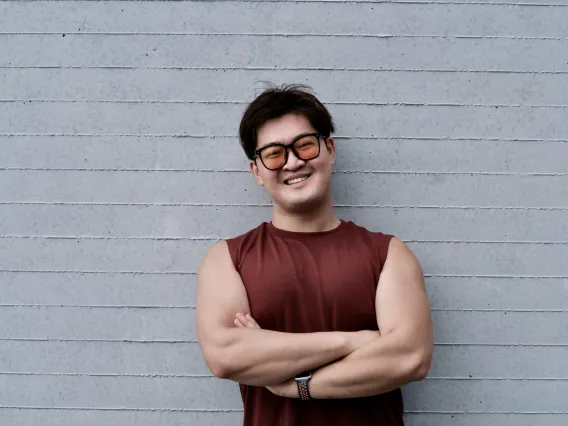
{"points": [[320, 320]]}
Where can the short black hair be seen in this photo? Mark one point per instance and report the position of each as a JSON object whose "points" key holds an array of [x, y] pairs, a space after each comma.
{"points": [[277, 101]]}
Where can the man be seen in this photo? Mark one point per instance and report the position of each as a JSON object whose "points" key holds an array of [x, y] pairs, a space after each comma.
{"points": [[320, 320]]}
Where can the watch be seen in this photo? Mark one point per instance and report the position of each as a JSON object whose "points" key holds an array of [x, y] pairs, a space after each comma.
{"points": [[302, 380]]}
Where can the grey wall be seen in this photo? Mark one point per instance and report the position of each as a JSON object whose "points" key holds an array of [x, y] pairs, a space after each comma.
{"points": [[119, 167]]}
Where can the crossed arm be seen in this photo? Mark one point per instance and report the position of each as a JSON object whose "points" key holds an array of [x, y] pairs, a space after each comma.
{"points": [[347, 365]]}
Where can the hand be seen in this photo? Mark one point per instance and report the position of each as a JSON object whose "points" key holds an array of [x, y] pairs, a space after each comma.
{"points": [[287, 389], [245, 321]]}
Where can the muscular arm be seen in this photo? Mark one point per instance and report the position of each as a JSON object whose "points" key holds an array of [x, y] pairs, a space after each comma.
{"points": [[248, 355], [403, 352]]}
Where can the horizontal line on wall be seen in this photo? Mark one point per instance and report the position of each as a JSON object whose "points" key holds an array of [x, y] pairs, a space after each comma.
{"points": [[49, 305], [62, 271], [44, 339], [417, 2], [233, 102], [271, 68], [469, 378], [46, 305], [528, 413], [185, 410], [177, 170], [254, 205], [219, 238], [501, 310], [282, 34], [420, 2], [210, 376], [507, 345], [149, 375], [494, 276], [98, 272], [182, 341], [235, 137]]}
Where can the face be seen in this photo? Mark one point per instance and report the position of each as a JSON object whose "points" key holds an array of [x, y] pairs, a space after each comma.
{"points": [[299, 184]]}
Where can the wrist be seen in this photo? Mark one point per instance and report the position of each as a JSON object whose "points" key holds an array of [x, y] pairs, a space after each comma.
{"points": [[303, 385]]}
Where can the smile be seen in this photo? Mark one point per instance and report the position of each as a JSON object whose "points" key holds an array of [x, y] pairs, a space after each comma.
{"points": [[296, 180]]}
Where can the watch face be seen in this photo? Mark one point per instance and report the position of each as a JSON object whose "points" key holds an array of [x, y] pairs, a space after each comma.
{"points": [[304, 376]]}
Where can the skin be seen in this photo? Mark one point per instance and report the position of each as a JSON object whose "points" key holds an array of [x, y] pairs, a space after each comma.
{"points": [[347, 365]]}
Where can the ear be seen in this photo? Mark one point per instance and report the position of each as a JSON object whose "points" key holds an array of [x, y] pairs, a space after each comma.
{"points": [[330, 144], [255, 172]]}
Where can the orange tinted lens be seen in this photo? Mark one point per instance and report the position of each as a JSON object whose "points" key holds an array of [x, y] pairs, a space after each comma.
{"points": [[307, 147], [273, 157]]}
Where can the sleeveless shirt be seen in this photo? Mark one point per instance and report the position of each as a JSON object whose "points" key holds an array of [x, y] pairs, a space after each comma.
{"points": [[305, 282]]}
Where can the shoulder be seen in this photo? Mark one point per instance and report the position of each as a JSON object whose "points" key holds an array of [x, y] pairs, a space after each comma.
{"points": [[246, 239], [217, 255], [401, 256], [240, 245], [371, 233], [393, 253], [380, 241], [229, 252]]}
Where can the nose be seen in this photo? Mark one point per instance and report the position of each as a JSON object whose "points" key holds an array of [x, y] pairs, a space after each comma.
{"points": [[293, 162]]}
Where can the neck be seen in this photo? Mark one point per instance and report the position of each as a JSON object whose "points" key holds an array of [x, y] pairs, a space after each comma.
{"points": [[319, 219]]}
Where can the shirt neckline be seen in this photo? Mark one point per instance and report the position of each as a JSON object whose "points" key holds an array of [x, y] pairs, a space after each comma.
{"points": [[304, 235]]}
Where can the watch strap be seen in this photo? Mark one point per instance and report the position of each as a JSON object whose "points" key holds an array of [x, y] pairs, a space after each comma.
{"points": [[303, 389]]}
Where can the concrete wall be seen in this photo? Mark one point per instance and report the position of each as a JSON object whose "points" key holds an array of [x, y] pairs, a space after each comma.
{"points": [[120, 166]]}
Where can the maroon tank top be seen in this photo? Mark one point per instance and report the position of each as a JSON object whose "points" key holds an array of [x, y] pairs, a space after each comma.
{"points": [[301, 282]]}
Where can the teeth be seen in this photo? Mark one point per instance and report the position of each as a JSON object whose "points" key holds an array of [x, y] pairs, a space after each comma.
{"points": [[296, 180]]}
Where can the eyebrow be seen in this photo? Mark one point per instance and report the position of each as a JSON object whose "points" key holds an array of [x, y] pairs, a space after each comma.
{"points": [[293, 140]]}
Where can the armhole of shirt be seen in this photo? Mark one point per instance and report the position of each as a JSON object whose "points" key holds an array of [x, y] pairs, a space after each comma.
{"points": [[382, 242], [233, 246]]}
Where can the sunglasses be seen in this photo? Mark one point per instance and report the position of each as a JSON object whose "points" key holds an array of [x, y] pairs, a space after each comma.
{"points": [[275, 156]]}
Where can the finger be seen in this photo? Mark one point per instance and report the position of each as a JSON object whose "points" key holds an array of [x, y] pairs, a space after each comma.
{"points": [[244, 321], [238, 323], [252, 321], [247, 321], [241, 318], [251, 324]]}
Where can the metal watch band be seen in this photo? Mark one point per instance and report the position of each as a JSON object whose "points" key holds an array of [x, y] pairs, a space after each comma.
{"points": [[303, 390]]}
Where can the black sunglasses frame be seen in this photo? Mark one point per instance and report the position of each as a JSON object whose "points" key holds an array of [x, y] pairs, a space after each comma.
{"points": [[289, 147]]}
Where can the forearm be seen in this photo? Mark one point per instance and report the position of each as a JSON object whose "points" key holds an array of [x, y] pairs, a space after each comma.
{"points": [[263, 357], [378, 367]]}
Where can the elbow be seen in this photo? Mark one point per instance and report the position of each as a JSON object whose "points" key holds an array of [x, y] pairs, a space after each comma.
{"points": [[225, 355], [421, 371], [218, 362], [420, 365], [219, 369]]}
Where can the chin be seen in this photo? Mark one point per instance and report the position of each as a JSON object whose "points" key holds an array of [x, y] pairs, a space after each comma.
{"points": [[301, 204]]}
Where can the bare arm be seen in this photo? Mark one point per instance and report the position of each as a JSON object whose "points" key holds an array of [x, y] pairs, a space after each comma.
{"points": [[401, 354], [249, 355]]}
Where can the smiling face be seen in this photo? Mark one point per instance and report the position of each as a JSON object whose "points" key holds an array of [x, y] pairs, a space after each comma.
{"points": [[299, 185]]}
